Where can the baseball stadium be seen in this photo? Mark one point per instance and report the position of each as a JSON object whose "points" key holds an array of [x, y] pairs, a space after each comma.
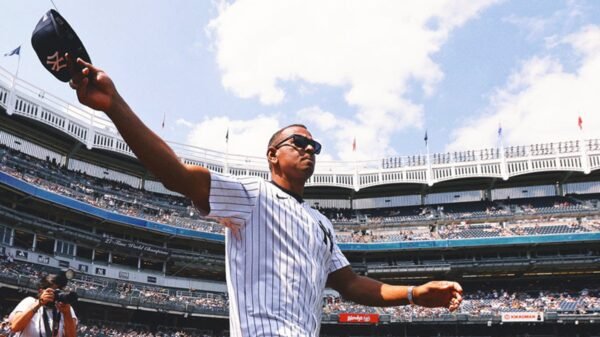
{"points": [[340, 224], [518, 227]]}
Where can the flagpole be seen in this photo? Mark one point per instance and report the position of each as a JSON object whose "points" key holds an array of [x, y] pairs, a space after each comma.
{"points": [[226, 168], [13, 85], [426, 139], [18, 63], [162, 125], [500, 138], [356, 177], [354, 151], [582, 148], [503, 166], [428, 163]]}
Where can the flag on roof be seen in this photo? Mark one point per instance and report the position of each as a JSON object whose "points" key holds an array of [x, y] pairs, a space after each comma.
{"points": [[16, 51]]}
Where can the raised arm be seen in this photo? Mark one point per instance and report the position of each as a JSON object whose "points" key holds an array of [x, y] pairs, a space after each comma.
{"points": [[19, 320], [96, 90], [23, 315], [367, 291]]}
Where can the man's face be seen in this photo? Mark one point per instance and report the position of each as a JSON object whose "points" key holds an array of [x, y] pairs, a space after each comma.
{"points": [[295, 162], [52, 286]]}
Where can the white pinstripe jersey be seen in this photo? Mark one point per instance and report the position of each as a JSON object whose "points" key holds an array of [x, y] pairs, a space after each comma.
{"points": [[276, 272]]}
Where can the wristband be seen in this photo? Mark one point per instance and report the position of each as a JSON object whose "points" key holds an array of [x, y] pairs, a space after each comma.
{"points": [[410, 295]]}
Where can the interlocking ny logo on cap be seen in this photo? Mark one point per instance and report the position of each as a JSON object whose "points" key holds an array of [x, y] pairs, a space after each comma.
{"points": [[51, 39], [56, 62]]}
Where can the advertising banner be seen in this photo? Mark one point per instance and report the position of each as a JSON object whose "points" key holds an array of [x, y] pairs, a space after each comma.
{"points": [[359, 318], [523, 316]]}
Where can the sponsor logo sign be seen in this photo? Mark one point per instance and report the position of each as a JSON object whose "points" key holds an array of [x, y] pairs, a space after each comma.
{"points": [[359, 318], [523, 316]]}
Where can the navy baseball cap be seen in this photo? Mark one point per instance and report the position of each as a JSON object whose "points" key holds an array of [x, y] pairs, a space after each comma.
{"points": [[51, 39]]}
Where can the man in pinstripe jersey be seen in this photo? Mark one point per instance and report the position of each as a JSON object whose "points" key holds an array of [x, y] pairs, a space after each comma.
{"points": [[280, 253]]}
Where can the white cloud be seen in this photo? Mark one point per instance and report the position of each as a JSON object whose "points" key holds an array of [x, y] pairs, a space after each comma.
{"points": [[246, 137], [376, 49], [536, 26], [183, 122], [324, 120], [542, 101], [372, 135], [533, 25]]}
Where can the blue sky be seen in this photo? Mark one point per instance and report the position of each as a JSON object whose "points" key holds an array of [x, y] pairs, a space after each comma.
{"points": [[383, 72]]}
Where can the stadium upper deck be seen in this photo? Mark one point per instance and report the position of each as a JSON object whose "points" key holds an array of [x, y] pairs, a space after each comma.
{"points": [[47, 119], [390, 224]]}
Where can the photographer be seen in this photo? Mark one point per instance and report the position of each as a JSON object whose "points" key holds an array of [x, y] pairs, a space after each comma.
{"points": [[48, 315], [4, 328]]}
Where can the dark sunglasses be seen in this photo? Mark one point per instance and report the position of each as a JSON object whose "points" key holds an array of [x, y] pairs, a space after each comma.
{"points": [[301, 142]]}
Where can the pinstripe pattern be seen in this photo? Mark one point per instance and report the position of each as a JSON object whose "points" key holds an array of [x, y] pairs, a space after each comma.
{"points": [[277, 272]]}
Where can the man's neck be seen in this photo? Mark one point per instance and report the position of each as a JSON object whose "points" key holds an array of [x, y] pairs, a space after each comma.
{"points": [[292, 194], [295, 188]]}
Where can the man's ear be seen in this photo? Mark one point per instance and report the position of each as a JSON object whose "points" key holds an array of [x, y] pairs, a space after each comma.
{"points": [[272, 155]]}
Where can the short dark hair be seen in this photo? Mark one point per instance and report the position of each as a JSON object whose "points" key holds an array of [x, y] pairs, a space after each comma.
{"points": [[48, 280], [278, 132]]}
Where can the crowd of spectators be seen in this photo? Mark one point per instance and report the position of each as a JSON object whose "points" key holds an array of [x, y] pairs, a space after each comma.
{"points": [[487, 303], [376, 225], [112, 329], [109, 289], [477, 302], [461, 211], [159, 295], [97, 328], [337, 305], [413, 214], [463, 230], [106, 194], [416, 233]]}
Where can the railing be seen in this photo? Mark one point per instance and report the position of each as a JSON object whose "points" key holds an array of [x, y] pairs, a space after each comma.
{"points": [[26, 282], [95, 130]]}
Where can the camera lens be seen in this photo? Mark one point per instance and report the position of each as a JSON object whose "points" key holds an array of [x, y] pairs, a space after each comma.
{"points": [[65, 297]]}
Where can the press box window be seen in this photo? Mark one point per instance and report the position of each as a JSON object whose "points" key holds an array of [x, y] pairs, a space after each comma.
{"points": [[5, 235], [65, 248]]}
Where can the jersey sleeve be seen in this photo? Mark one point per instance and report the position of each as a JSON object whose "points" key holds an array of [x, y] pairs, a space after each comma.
{"points": [[25, 304], [233, 197]]}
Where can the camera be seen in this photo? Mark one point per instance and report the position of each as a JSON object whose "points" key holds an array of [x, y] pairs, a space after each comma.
{"points": [[67, 297], [58, 281]]}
